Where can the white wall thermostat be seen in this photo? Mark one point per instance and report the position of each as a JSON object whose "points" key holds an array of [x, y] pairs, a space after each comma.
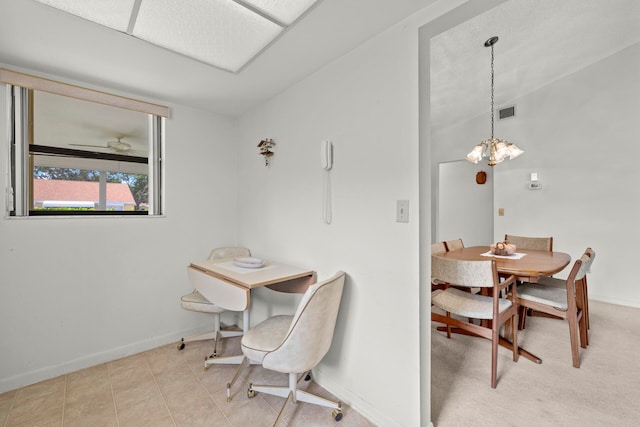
{"points": [[535, 185]]}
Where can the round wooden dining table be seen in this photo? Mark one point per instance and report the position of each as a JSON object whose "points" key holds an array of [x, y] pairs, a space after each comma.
{"points": [[526, 265], [527, 268]]}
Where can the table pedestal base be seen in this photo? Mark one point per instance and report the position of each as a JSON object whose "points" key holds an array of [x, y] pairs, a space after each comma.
{"points": [[503, 342]]}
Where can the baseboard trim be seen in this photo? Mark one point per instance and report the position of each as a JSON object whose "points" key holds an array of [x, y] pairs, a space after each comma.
{"points": [[49, 372], [363, 407], [625, 303]]}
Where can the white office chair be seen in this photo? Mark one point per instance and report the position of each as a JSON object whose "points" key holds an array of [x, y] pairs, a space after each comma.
{"points": [[296, 344], [194, 301]]}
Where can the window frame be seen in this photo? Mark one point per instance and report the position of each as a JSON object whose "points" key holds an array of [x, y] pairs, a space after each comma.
{"points": [[20, 89]]}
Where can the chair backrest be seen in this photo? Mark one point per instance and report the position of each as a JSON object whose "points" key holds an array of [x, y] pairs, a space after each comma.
{"points": [[473, 274], [579, 271], [229, 252], [438, 248], [586, 260], [452, 245], [592, 255], [530, 243], [311, 331]]}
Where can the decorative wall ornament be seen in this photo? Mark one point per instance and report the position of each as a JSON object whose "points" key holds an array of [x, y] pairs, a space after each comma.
{"points": [[481, 177], [265, 149]]}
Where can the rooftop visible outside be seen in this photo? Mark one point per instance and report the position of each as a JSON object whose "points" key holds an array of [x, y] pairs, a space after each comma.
{"points": [[74, 189]]}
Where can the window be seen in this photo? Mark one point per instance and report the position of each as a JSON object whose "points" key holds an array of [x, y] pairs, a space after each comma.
{"points": [[76, 151]]}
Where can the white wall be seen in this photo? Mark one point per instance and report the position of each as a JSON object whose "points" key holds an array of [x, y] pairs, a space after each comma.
{"points": [[366, 103], [81, 291], [580, 134], [458, 195]]}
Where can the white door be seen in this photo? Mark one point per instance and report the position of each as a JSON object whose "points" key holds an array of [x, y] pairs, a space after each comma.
{"points": [[465, 208]]}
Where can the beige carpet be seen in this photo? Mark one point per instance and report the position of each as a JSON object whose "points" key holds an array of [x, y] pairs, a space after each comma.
{"points": [[604, 391]]}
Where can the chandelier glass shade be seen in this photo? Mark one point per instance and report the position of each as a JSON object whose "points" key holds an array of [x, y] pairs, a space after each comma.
{"points": [[496, 150]]}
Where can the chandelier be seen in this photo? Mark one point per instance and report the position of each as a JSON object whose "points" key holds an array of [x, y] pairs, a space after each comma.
{"points": [[497, 150]]}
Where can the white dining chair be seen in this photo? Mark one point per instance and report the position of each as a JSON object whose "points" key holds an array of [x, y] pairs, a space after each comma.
{"points": [[530, 243], [562, 298], [436, 249], [496, 309], [454, 244]]}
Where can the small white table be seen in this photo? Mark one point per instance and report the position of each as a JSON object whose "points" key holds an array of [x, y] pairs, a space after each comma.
{"points": [[229, 286]]}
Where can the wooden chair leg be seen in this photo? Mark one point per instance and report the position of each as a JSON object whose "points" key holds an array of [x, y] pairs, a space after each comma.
{"points": [[522, 315], [495, 337], [582, 327], [507, 329], [448, 326], [586, 307], [582, 314], [514, 332], [573, 337]]}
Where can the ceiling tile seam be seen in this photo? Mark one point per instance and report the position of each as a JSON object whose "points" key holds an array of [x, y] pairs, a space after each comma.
{"points": [[285, 29], [260, 13], [134, 16]]}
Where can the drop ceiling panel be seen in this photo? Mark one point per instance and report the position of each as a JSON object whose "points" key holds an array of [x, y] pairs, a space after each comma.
{"points": [[218, 32], [224, 33], [111, 13]]}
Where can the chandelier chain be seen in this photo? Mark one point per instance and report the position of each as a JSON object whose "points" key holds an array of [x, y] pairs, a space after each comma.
{"points": [[492, 74]]}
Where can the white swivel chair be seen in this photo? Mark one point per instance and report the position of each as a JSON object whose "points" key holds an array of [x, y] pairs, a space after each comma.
{"points": [[194, 301], [296, 344]]}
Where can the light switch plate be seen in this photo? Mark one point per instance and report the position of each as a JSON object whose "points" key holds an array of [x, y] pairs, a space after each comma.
{"points": [[402, 211]]}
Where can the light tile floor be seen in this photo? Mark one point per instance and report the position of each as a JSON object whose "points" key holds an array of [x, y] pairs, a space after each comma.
{"points": [[164, 387]]}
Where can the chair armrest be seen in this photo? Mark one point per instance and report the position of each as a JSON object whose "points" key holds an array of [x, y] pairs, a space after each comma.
{"points": [[511, 280]]}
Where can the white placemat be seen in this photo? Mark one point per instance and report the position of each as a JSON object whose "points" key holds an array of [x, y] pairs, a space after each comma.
{"points": [[514, 256]]}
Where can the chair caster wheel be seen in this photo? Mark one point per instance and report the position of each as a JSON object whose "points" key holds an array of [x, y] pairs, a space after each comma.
{"points": [[181, 346], [308, 376], [251, 393], [206, 368], [337, 414]]}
